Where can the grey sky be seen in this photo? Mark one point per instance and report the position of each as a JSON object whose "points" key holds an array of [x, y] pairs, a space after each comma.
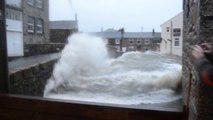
{"points": [[133, 15]]}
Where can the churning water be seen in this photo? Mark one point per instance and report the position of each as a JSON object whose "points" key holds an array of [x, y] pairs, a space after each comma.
{"points": [[86, 73]]}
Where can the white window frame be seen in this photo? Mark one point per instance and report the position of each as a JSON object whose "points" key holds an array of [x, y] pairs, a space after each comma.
{"points": [[167, 29], [117, 48], [177, 41], [31, 24], [131, 47], [39, 3], [31, 2], [147, 41], [139, 42], [131, 41], [39, 26], [117, 41], [124, 49], [13, 14], [177, 32]]}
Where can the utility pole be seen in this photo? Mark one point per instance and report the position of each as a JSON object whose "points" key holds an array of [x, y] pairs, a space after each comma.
{"points": [[3, 50], [122, 36]]}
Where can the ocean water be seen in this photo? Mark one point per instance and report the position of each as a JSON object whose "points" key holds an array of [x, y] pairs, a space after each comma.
{"points": [[86, 73]]}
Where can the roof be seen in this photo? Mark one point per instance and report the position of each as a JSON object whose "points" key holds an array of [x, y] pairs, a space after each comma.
{"points": [[114, 35], [67, 25]]}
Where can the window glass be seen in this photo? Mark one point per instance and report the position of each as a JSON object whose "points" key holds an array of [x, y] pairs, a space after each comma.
{"points": [[31, 2], [39, 3], [176, 32], [177, 42], [39, 26], [30, 24]]}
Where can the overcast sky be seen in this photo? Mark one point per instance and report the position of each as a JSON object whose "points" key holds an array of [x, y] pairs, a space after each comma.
{"points": [[133, 15]]}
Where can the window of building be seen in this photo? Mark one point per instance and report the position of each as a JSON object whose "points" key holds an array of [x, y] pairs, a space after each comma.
{"points": [[131, 41], [39, 3], [123, 49], [146, 48], [177, 41], [131, 48], [147, 42], [31, 2], [167, 29], [39, 26], [176, 32], [117, 48], [138, 42], [30, 24], [13, 14], [117, 41]]}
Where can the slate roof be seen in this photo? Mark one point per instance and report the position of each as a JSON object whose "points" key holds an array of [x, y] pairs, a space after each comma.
{"points": [[114, 35], [66, 25]]}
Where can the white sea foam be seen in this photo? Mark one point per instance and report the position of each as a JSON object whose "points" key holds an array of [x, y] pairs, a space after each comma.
{"points": [[85, 73]]}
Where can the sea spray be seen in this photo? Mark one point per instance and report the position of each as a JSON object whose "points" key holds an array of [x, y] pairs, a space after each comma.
{"points": [[82, 56], [85, 73]]}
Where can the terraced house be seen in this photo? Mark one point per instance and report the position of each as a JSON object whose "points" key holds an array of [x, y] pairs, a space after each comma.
{"points": [[132, 41]]}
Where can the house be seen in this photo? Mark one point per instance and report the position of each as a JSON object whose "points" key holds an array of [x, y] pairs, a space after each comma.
{"points": [[27, 27], [132, 41], [172, 35], [14, 29], [36, 21], [60, 30]]}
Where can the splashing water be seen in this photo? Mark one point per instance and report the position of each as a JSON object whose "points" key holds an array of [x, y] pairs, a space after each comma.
{"points": [[86, 73]]}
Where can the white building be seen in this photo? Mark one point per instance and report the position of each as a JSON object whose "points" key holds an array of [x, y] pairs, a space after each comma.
{"points": [[14, 28], [172, 36]]}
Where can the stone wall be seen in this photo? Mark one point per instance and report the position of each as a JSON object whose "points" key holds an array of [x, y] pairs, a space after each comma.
{"points": [[198, 27], [32, 80], [37, 49], [60, 36]]}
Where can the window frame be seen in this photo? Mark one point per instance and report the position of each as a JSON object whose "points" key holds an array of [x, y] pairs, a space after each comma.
{"points": [[147, 41], [139, 42], [177, 32], [131, 41], [176, 41], [40, 25], [167, 29], [29, 24], [39, 4], [31, 2], [117, 41]]}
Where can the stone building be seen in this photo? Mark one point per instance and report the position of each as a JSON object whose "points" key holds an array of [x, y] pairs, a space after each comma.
{"points": [[132, 41], [36, 21], [172, 35], [14, 28], [60, 30], [27, 27]]}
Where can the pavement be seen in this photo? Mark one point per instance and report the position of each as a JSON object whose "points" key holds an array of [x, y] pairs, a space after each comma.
{"points": [[25, 62]]}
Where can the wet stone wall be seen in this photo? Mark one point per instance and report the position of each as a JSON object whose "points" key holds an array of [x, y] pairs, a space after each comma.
{"points": [[37, 49], [198, 27], [32, 80]]}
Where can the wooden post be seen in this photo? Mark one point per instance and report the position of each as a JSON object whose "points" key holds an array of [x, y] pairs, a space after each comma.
{"points": [[3, 50]]}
